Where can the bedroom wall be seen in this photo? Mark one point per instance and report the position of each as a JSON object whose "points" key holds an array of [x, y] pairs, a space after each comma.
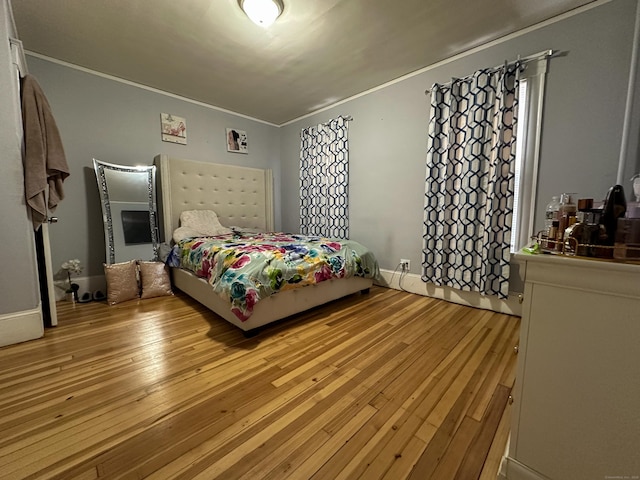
{"points": [[120, 123], [583, 118], [20, 313], [19, 281]]}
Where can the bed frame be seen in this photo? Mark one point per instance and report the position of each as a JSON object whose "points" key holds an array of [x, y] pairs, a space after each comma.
{"points": [[242, 197]]}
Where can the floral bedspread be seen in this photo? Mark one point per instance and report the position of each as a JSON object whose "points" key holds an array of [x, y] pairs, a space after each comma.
{"points": [[244, 268]]}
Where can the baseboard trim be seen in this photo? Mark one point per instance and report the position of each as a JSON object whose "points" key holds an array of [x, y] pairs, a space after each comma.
{"points": [[86, 284], [21, 326], [413, 283], [515, 470]]}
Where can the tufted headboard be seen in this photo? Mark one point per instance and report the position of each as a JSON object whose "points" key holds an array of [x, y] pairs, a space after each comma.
{"points": [[241, 196]]}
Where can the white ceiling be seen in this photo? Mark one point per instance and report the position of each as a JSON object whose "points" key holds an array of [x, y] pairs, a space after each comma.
{"points": [[317, 53]]}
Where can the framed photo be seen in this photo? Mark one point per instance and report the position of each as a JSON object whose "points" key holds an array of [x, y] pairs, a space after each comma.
{"points": [[237, 141], [174, 129]]}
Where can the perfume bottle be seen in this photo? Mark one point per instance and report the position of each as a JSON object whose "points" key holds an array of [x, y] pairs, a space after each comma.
{"points": [[614, 207], [633, 208], [578, 236], [566, 217]]}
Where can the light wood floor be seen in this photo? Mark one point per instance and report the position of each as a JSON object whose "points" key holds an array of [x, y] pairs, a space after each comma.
{"points": [[387, 385]]}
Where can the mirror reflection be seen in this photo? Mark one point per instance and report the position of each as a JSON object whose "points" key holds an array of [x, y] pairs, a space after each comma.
{"points": [[128, 211]]}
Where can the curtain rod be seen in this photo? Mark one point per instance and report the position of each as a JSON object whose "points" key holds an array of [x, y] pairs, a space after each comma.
{"points": [[348, 118], [527, 59]]}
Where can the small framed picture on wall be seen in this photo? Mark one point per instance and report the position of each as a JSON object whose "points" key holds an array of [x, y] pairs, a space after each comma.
{"points": [[237, 141], [174, 128]]}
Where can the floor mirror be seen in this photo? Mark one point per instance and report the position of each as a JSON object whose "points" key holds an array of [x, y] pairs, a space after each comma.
{"points": [[128, 198]]}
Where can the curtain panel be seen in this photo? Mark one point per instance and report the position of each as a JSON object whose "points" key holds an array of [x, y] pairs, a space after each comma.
{"points": [[324, 179], [469, 187]]}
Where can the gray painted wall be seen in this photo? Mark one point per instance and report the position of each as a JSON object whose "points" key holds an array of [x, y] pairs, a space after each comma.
{"points": [[19, 279], [581, 136], [120, 123]]}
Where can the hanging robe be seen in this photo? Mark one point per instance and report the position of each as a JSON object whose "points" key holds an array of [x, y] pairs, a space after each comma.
{"points": [[45, 164]]}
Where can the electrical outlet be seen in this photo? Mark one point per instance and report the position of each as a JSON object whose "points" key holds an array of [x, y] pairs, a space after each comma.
{"points": [[405, 264]]}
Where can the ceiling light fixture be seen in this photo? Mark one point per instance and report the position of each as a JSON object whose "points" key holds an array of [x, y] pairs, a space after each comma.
{"points": [[262, 12]]}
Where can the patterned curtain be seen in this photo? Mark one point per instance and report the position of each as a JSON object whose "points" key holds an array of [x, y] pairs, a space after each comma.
{"points": [[470, 182], [324, 179]]}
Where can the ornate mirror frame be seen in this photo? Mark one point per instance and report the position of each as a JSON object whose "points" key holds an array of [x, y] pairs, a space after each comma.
{"points": [[144, 181]]}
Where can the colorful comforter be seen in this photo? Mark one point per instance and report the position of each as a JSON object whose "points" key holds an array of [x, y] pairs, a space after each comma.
{"points": [[243, 268]]}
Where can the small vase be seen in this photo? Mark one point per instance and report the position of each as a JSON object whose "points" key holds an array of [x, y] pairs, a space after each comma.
{"points": [[74, 288], [70, 297]]}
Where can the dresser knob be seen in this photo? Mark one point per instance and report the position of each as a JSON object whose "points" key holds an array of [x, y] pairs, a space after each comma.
{"points": [[520, 298], [510, 400], [516, 349]]}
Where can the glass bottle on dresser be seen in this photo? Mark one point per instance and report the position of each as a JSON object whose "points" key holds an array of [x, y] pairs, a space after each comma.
{"points": [[578, 237], [614, 207], [551, 216], [567, 217]]}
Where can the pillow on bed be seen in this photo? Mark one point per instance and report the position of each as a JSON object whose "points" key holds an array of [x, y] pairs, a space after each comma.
{"points": [[154, 277], [181, 233], [250, 231], [203, 222], [122, 281]]}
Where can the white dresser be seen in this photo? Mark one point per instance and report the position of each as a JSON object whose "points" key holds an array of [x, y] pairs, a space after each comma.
{"points": [[576, 400]]}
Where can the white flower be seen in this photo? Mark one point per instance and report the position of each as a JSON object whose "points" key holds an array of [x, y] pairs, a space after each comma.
{"points": [[72, 266]]}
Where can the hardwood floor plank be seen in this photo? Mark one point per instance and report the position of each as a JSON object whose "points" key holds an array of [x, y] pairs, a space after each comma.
{"points": [[498, 445], [454, 403], [178, 434], [349, 462], [471, 464], [385, 385], [345, 462], [289, 459], [504, 359], [335, 442], [480, 347], [246, 421], [101, 429], [390, 448], [404, 461], [297, 433], [456, 450]]}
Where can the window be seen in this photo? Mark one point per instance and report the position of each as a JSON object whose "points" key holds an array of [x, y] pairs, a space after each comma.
{"points": [[522, 122], [530, 97], [324, 179]]}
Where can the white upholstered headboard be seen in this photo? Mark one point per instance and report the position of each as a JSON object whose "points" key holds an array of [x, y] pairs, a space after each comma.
{"points": [[240, 196]]}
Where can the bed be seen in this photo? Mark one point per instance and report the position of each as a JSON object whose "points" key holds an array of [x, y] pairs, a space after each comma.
{"points": [[242, 198]]}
